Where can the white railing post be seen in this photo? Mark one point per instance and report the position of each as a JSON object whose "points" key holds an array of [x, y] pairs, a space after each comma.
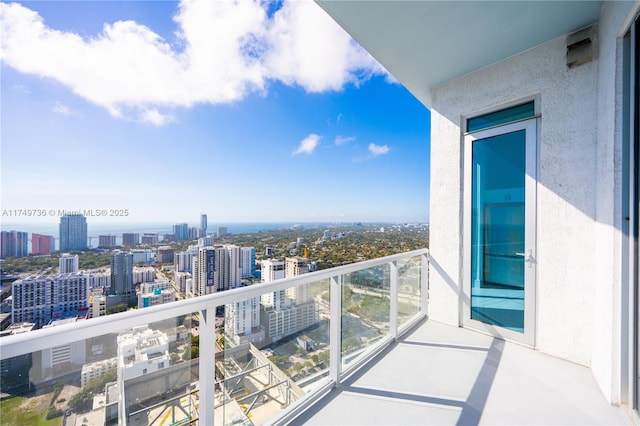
{"points": [[393, 299], [424, 283], [335, 328], [207, 363]]}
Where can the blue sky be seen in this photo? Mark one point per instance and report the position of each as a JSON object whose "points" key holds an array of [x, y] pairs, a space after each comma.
{"points": [[243, 111]]}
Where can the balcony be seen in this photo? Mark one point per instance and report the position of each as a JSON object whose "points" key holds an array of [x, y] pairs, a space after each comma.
{"points": [[348, 345]]}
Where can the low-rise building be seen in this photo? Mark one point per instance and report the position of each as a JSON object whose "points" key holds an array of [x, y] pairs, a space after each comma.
{"points": [[97, 369]]}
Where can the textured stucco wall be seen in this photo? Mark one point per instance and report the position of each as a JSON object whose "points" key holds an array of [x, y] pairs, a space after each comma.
{"points": [[579, 193], [567, 151], [609, 296]]}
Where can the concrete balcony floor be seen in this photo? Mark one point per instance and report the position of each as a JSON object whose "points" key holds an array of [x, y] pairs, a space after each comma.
{"points": [[438, 374]]}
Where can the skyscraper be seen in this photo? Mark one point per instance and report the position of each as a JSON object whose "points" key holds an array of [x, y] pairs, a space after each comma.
{"points": [[122, 275], [68, 263], [13, 244], [203, 225], [73, 232], [42, 244], [248, 261], [202, 271], [215, 269], [272, 270], [106, 240], [234, 271], [130, 239], [181, 231]]}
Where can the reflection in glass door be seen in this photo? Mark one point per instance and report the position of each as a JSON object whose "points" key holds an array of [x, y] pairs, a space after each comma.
{"points": [[501, 230], [498, 231]]}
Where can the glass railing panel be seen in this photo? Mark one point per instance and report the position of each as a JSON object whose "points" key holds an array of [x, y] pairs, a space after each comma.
{"points": [[365, 311], [409, 292], [143, 374], [273, 350]]}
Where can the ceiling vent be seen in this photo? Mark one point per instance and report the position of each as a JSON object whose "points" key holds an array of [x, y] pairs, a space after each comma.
{"points": [[582, 46]]}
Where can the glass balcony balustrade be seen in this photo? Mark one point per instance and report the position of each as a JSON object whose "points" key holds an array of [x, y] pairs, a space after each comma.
{"points": [[254, 355]]}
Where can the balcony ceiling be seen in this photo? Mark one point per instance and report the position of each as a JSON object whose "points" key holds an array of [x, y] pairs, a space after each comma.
{"points": [[426, 43]]}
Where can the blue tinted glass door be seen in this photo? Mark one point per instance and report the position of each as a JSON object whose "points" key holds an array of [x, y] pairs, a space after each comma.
{"points": [[498, 230]]}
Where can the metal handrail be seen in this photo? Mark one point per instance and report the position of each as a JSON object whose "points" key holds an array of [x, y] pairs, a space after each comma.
{"points": [[20, 344]]}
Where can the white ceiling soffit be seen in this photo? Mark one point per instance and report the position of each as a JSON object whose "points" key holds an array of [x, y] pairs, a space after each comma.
{"points": [[426, 43]]}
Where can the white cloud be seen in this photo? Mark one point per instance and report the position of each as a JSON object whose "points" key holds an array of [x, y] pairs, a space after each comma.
{"points": [[308, 49], [340, 140], [227, 50], [153, 116], [376, 150], [61, 109], [308, 145]]}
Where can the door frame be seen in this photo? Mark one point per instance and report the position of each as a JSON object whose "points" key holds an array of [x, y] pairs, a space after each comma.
{"points": [[530, 289]]}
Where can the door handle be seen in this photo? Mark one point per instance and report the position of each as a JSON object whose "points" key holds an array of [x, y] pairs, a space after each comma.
{"points": [[528, 257]]}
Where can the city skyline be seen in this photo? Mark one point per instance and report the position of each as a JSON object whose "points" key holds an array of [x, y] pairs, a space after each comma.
{"points": [[285, 131]]}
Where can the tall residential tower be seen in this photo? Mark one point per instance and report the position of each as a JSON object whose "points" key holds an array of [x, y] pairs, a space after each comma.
{"points": [[73, 232]]}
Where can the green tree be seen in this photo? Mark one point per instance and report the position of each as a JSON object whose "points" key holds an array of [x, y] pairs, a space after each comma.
{"points": [[120, 307]]}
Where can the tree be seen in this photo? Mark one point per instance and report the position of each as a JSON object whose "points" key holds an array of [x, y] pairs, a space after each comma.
{"points": [[120, 307]]}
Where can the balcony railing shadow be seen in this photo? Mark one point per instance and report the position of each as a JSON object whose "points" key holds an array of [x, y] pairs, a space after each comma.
{"points": [[439, 374]]}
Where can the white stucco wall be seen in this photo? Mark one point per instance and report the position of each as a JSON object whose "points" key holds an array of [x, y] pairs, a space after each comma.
{"points": [[579, 194], [566, 201], [608, 295]]}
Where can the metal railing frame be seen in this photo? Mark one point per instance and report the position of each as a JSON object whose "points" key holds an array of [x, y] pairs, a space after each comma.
{"points": [[20, 344]]}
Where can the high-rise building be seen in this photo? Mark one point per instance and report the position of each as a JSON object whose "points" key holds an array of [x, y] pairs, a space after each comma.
{"points": [[68, 263], [73, 232], [106, 240], [122, 274], [181, 230], [286, 311], [234, 270], [149, 239], [222, 231], [98, 281], [203, 225], [242, 321], [130, 239], [141, 255], [14, 244], [248, 262], [194, 233], [165, 254], [205, 241], [273, 269], [295, 266], [40, 299], [42, 244], [145, 274], [182, 261], [180, 278], [203, 266], [215, 269]]}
